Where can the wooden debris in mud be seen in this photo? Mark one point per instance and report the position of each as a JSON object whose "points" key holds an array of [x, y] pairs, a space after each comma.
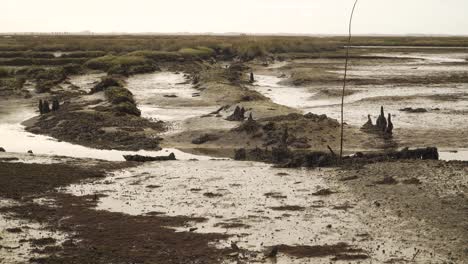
{"points": [[286, 158], [139, 158]]}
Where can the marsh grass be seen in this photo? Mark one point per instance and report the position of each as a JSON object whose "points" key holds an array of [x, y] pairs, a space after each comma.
{"points": [[240, 45]]}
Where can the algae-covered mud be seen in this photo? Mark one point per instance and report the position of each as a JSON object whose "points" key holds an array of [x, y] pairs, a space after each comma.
{"points": [[141, 151]]}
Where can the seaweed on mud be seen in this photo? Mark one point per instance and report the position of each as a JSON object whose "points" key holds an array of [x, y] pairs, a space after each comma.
{"points": [[320, 250]]}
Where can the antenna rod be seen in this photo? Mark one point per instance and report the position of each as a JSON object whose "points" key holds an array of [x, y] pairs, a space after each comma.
{"points": [[344, 79]]}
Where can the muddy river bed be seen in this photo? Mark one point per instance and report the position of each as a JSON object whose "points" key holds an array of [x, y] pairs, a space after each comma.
{"points": [[255, 205]]}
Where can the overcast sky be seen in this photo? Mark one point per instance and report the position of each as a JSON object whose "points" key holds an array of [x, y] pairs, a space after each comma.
{"points": [[249, 16]]}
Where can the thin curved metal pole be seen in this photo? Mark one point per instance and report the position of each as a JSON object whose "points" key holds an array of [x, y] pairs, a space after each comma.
{"points": [[344, 79]]}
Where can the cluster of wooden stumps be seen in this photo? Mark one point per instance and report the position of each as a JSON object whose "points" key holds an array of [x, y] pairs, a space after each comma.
{"points": [[383, 125], [45, 107]]}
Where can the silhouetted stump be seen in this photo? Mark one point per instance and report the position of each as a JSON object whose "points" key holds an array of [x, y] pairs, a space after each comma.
{"points": [[383, 126], [45, 107], [389, 129], [238, 115], [55, 104], [41, 107], [252, 78], [240, 154], [381, 121]]}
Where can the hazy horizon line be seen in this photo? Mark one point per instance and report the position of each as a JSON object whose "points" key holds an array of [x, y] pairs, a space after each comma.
{"points": [[90, 33]]}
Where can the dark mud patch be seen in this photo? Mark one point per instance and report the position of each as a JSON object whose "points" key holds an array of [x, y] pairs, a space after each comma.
{"points": [[106, 237], [323, 192], [43, 241], [412, 181], [320, 250], [276, 195], [99, 236], [212, 195], [231, 225], [19, 179], [288, 208], [387, 180]]}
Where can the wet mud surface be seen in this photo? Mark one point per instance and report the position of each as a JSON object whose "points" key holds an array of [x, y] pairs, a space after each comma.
{"points": [[67, 203]]}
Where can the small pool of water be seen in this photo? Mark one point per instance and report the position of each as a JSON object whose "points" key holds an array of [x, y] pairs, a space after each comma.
{"points": [[166, 96]]}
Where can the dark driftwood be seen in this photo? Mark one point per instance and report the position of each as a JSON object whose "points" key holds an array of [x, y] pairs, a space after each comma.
{"points": [[139, 158], [284, 157]]}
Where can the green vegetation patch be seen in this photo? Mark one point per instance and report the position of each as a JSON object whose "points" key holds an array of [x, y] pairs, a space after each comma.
{"points": [[107, 62], [124, 65], [122, 100], [202, 52], [117, 95]]}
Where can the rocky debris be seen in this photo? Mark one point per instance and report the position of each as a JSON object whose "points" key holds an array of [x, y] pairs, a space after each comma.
{"points": [[430, 153], [323, 192], [383, 126], [349, 178], [272, 252], [240, 154], [414, 110], [285, 158], [139, 158], [237, 115], [387, 180], [2, 149], [250, 126], [412, 181], [205, 138], [212, 195], [310, 159]]}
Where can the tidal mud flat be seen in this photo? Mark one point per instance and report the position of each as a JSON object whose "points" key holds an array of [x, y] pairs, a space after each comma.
{"points": [[74, 199]]}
